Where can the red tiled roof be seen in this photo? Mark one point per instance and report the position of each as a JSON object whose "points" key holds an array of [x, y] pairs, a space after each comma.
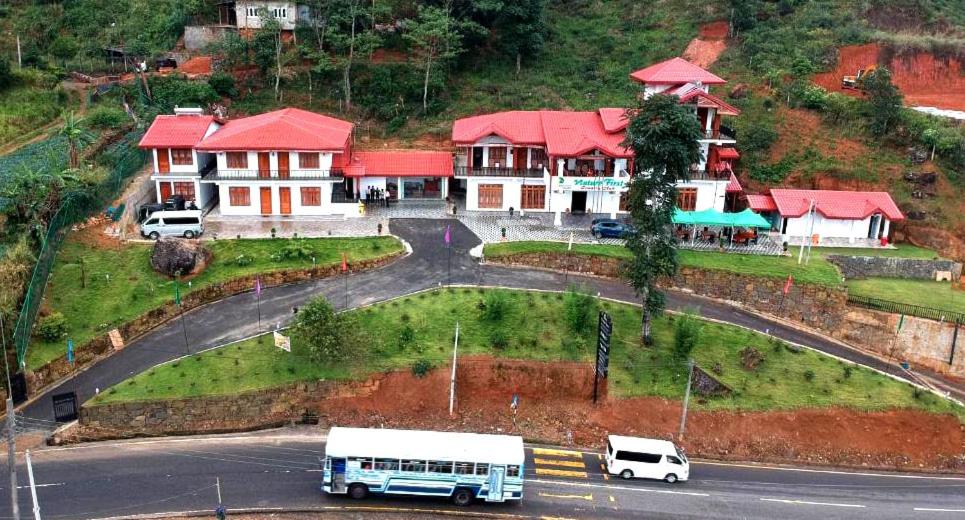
{"points": [[614, 119], [852, 205], [171, 131], [400, 163], [728, 153], [673, 71], [291, 129], [705, 99], [563, 133], [734, 185], [761, 203]]}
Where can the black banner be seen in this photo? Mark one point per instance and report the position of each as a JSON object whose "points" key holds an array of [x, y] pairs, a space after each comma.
{"points": [[603, 345]]}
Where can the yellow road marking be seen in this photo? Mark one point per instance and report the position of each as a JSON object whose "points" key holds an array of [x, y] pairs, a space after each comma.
{"points": [[560, 473], [553, 462], [612, 499], [554, 495], [606, 476], [557, 453]]}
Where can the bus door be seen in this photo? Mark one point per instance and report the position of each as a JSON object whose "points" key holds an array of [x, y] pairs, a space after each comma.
{"points": [[497, 474], [338, 475]]}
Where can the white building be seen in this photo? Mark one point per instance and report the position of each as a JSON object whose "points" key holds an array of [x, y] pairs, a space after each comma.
{"points": [[177, 166]]}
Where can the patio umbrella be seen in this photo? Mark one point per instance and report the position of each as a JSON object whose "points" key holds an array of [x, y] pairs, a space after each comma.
{"points": [[748, 218]]}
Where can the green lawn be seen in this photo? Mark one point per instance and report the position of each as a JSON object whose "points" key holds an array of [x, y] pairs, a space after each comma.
{"points": [[536, 329], [937, 295], [120, 284]]}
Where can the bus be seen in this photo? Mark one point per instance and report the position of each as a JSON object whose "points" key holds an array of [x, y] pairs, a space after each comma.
{"points": [[461, 466]]}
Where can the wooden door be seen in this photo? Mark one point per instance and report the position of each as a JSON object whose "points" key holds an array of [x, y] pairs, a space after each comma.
{"points": [[265, 200], [163, 160], [283, 165], [264, 164], [519, 159], [491, 196], [165, 191], [285, 200]]}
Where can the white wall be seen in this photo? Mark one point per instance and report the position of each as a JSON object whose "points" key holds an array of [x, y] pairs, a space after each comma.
{"points": [[324, 162], [512, 193], [829, 228], [364, 183], [254, 209], [244, 21], [710, 194]]}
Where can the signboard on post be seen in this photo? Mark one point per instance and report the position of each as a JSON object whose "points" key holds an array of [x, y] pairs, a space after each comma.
{"points": [[282, 342], [602, 351]]}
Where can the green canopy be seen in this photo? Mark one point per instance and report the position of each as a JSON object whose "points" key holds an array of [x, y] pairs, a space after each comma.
{"points": [[748, 218], [682, 217]]}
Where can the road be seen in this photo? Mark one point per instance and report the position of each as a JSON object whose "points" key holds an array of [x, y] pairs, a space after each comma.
{"points": [[279, 469], [429, 265]]}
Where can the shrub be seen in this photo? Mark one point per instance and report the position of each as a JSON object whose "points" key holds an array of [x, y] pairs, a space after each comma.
{"points": [[106, 117], [406, 336], [296, 249], [52, 327], [242, 260], [495, 306], [325, 336], [6, 75], [686, 335], [223, 83], [847, 371], [809, 375], [421, 367], [498, 339], [578, 308]]}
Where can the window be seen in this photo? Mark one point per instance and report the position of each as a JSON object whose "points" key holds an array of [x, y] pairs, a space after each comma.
{"points": [[181, 221], [440, 466], [280, 12], [632, 456], [237, 160], [182, 156], [491, 196], [185, 189], [414, 466], [239, 196], [387, 464], [534, 197], [625, 201], [482, 469], [538, 158], [673, 460], [687, 199], [463, 468], [363, 462], [512, 471], [497, 157], [151, 222], [311, 196], [307, 160]]}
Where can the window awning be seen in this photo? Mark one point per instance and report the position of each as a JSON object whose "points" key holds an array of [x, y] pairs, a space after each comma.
{"points": [[728, 153]]}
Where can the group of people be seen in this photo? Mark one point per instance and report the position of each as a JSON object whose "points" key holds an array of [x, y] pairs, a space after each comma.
{"points": [[377, 196]]}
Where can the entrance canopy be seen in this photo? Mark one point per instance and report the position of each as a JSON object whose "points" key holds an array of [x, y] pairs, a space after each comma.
{"points": [[712, 217]]}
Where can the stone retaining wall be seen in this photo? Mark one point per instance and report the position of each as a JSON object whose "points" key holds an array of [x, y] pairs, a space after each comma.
{"points": [[858, 267], [100, 347]]}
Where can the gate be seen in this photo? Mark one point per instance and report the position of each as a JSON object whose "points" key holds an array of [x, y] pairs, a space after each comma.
{"points": [[65, 407], [18, 384]]}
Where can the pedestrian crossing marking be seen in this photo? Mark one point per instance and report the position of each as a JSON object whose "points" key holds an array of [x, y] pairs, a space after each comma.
{"points": [[557, 453], [553, 462], [560, 473]]}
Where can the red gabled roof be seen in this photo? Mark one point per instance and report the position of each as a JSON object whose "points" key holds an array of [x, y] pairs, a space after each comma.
{"points": [[853, 205], [518, 127], [400, 163], [761, 203], [728, 153], [614, 119], [673, 71], [176, 131], [577, 133], [290, 129], [705, 99], [734, 185]]}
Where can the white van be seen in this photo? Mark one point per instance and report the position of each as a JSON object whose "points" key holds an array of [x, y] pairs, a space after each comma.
{"points": [[634, 457], [185, 224]]}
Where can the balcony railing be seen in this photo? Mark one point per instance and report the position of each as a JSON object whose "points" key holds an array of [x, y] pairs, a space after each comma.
{"points": [[275, 175], [703, 175], [723, 133], [464, 171]]}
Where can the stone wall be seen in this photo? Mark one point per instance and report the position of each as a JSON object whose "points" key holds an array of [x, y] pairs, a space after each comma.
{"points": [[100, 347], [197, 37], [857, 267], [921, 341]]}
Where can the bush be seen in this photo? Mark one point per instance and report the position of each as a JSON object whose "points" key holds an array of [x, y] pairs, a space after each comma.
{"points": [[498, 339], [6, 75], [106, 117], [223, 83], [242, 260], [324, 335], [847, 371], [406, 336], [578, 308], [52, 327], [686, 335], [495, 306], [809, 375], [421, 367], [296, 249]]}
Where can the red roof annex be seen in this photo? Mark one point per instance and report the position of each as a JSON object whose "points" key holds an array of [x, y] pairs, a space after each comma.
{"points": [[674, 71], [400, 163], [761, 203], [176, 131], [851, 205], [288, 129]]}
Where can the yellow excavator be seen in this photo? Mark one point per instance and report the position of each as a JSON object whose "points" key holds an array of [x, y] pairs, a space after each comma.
{"points": [[856, 82]]}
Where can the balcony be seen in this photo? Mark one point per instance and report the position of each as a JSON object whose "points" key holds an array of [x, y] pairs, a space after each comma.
{"points": [[335, 175], [723, 133], [464, 171], [703, 175]]}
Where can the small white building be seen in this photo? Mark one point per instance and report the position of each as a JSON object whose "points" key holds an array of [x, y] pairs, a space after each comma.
{"points": [[824, 217], [250, 14]]}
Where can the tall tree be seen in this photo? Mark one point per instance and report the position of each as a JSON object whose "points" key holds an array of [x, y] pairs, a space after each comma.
{"points": [[74, 133], [663, 136], [521, 29], [352, 33], [434, 38], [269, 46], [884, 102]]}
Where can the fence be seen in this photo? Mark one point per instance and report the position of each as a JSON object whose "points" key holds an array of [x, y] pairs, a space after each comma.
{"points": [[905, 308], [123, 158]]}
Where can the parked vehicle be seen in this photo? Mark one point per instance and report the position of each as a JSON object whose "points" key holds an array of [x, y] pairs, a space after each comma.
{"points": [[610, 228], [635, 457], [185, 224], [461, 466]]}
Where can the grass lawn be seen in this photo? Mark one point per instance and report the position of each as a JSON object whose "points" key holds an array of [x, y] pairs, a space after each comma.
{"points": [[937, 295], [120, 284], [536, 328]]}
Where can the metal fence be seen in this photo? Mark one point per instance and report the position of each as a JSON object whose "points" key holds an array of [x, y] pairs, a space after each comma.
{"points": [[906, 308], [122, 159]]}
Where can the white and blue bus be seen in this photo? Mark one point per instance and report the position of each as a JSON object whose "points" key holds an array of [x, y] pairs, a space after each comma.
{"points": [[462, 466]]}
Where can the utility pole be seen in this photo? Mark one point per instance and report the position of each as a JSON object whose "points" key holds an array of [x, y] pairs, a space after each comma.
{"points": [[33, 487], [19, 58], [683, 415], [11, 430], [452, 381], [809, 229]]}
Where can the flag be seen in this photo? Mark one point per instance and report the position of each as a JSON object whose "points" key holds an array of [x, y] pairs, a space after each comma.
{"points": [[70, 351], [901, 321], [448, 237], [177, 293], [570, 247], [344, 263], [257, 286], [787, 284]]}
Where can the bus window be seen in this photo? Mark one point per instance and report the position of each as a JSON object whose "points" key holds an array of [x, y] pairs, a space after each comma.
{"points": [[440, 466], [482, 469], [363, 462], [464, 468], [387, 464], [414, 466], [512, 471]]}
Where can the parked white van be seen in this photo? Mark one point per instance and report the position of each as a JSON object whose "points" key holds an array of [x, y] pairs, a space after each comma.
{"points": [[634, 457], [185, 224]]}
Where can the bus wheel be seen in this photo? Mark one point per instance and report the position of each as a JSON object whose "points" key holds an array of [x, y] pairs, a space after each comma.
{"points": [[626, 474], [462, 497], [671, 478], [358, 491]]}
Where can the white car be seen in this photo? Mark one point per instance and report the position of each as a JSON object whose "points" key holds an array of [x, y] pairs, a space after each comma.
{"points": [[185, 224], [635, 457]]}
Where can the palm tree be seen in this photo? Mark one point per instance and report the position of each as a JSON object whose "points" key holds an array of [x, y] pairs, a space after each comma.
{"points": [[74, 132]]}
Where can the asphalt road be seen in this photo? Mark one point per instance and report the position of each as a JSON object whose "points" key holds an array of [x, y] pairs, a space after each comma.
{"points": [[279, 469], [429, 265]]}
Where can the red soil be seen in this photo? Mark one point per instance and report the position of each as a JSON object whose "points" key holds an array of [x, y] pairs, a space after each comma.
{"points": [[555, 406], [196, 65], [708, 46], [714, 30], [923, 79]]}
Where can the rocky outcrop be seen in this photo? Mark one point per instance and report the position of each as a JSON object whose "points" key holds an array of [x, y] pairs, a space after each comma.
{"points": [[179, 256], [858, 267]]}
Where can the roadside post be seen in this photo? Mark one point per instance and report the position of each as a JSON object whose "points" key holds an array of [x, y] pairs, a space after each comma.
{"points": [[452, 381], [11, 430], [683, 415], [602, 352]]}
